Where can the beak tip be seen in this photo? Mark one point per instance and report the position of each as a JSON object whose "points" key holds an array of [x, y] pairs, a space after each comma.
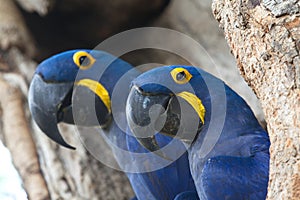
{"points": [[152, 146], [66, 145], [53, 133], [71, 147]]}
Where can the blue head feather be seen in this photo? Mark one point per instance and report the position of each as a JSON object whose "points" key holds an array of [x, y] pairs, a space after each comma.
{"points": [[59, 68], [107, 68]]}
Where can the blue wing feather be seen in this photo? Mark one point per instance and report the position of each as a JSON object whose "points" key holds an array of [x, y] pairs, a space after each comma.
{"points": [[236, 177]]}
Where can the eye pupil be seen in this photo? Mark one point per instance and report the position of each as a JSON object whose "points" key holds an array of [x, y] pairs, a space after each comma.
{"points": [[84, 61], [180, 76]]}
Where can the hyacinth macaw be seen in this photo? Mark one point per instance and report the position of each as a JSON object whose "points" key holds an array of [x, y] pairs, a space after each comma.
{"points": [[228, 149], [94, 74]]}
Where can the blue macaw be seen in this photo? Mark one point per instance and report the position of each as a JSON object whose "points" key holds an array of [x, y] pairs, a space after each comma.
{"points": [[228, 149], [74, 78]]}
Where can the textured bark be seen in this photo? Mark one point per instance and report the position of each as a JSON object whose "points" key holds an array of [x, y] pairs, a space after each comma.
{"points": [[15, 128], [18, 139], [76, 174], [264, 38]]}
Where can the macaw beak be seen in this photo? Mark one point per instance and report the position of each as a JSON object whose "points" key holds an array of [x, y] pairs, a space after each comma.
{"points": [[49, 104], [168, 114], [142, 114]]}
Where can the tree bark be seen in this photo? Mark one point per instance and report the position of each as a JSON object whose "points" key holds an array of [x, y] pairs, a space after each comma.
{"points": [[264, 38], [19, 141]]}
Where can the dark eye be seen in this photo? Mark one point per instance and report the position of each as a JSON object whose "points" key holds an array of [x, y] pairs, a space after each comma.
{"points": [[180, 76], [84, 61]]}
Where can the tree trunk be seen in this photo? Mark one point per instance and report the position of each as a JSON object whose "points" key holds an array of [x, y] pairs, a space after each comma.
{"points": [[18, 139], [264, 38]]}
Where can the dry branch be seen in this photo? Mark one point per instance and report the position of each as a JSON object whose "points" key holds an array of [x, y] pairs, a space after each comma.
{"points": [[76, 174], [19, 141]]}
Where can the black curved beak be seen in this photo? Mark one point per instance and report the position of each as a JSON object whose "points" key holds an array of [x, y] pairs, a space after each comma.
{"points": [[148, 114], [49, 104], [145, 114]]}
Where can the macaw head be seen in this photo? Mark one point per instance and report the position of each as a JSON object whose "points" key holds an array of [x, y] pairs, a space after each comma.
{"points": [[78, 78], [171, 100]]}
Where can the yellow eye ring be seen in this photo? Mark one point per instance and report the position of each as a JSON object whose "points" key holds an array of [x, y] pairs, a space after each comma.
{"points": [[181, 75], [83, 60]]}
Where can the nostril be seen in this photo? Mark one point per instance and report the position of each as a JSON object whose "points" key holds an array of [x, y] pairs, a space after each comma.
{"points": [[41, 75]]}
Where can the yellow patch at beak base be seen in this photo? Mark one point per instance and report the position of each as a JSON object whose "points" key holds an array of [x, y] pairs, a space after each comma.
{"points": [[98, 89], [195, 102]]}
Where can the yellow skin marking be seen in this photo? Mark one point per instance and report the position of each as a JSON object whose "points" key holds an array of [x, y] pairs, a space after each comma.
{"points": [[185, 74], [195, 102], [98, 89], [78, 58]]}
